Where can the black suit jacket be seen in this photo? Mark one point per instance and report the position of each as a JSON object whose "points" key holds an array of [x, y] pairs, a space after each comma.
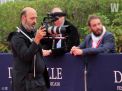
{"points": [[72, 39], [107, 45]]}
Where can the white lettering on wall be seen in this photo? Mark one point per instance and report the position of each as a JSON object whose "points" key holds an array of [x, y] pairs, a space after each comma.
{"points": [[55, 73], [9, 72], [117, 76]]}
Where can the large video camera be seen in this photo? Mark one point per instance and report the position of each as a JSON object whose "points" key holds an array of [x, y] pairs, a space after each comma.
{"points": [[48, 23]]}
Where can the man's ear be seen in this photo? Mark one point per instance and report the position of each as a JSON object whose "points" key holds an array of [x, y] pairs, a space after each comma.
{"points": [[23, 17], [89, 29]]}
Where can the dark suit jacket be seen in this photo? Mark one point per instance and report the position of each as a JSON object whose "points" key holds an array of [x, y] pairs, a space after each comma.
{"points": [[72, 39], [107, 45], [23, 53]]}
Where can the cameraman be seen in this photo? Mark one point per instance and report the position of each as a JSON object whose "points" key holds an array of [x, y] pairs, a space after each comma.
{"points": [[29, 71], [56, 47]]}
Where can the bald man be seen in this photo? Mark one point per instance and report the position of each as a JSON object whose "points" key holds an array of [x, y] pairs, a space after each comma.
{"points": [[29, 70], [60, 47]]}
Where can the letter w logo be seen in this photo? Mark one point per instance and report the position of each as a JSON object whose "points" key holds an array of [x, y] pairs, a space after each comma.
{"points": [[114, 7]]}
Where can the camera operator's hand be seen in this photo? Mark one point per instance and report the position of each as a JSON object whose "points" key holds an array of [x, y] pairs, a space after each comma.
{"points": [[46, 52], [39, 35]]}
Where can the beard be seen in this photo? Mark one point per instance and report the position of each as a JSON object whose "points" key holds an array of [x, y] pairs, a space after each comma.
{"points": [[29, 27], [100, 31]]}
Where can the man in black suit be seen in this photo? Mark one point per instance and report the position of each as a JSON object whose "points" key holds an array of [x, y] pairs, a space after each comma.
{"points": [[29, 70], [98, 41], [57, 47]]}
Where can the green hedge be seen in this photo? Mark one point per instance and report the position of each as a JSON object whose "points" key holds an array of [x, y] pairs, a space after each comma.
{"points": [[77, 12]]}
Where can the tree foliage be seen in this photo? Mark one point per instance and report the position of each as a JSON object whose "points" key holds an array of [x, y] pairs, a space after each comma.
{"points": [[77, 12]]}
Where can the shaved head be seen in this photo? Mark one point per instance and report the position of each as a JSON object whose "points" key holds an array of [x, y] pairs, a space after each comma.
{"points": [[56, 10], [26, 10]]}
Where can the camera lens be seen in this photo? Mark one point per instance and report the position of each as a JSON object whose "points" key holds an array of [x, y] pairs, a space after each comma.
{"points": [[56, 30]]}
